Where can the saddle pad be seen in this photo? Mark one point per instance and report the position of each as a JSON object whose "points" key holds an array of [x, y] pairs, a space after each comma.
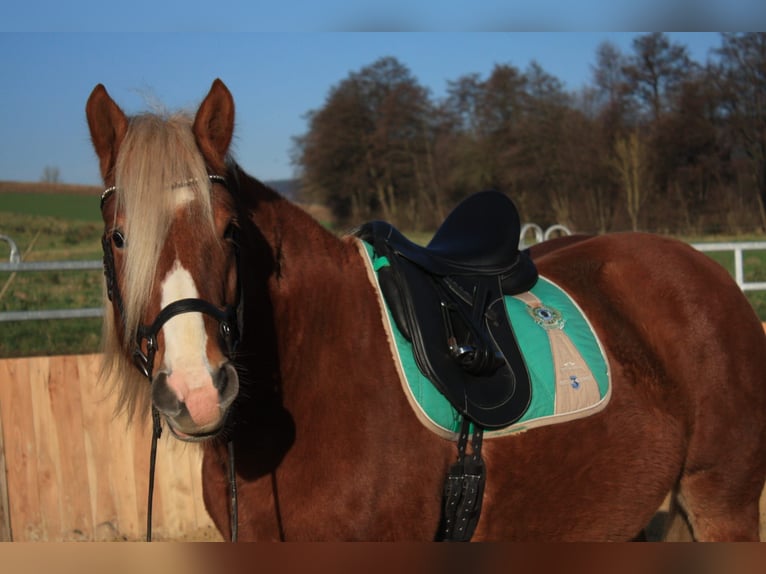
{"points": [[567, 366]]}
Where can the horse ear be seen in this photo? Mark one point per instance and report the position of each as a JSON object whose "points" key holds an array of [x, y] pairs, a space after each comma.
{"points": [[108, 125], [214, 124]]}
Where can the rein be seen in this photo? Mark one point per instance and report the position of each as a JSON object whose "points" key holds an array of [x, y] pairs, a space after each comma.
{"points": [[229, 324], [156, 433]]}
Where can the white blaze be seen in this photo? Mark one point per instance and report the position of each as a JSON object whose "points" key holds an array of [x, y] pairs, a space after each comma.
{"points": [[183, 195], [185, 336]]}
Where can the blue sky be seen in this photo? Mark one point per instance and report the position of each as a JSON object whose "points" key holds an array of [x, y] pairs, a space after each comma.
{"points": [[275, 77], [377, 15]]}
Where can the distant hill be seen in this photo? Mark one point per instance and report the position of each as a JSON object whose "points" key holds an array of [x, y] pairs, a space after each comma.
{"points": [[19, 190], [286, 187], [41, 187]]}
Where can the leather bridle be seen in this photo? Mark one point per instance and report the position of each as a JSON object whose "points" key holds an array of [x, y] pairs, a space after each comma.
{"points": [[229, 327]]}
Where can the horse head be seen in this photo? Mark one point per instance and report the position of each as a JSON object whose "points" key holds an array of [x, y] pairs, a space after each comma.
{"points": [[170, 259]]}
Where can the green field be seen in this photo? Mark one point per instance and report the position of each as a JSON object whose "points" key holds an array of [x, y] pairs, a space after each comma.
{"points": [[69, 207], [58, 227], [50, 227]]}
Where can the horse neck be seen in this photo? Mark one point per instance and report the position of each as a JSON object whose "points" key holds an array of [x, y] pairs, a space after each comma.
{"points": [[317, 289]]}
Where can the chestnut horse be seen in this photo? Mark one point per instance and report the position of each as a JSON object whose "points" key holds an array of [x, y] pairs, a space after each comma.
{"points": [[257, 326]]}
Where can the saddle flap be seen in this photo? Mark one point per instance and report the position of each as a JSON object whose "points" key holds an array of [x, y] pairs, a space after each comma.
{"points": [[447, 300], [491, 387]]}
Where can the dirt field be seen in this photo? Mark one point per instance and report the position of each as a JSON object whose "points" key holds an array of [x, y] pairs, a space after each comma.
{"points": [[41, 187]]}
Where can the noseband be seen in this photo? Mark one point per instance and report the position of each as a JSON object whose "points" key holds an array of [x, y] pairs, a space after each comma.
{"points": [[229, 328]]}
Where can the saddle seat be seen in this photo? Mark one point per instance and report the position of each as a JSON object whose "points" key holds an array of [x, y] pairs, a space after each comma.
{"points": [[447, 300], [479, 237]]}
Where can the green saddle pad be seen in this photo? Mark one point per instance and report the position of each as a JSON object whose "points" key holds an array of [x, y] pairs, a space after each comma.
{"points": [[567, 367]]}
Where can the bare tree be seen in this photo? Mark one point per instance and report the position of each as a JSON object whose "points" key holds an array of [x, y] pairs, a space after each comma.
{"points": [[631, 165], [741, 75], [655, 71], [51, 174]]}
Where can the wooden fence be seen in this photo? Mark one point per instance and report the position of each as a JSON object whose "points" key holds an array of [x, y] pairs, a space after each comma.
{"points": [[74, 472]]}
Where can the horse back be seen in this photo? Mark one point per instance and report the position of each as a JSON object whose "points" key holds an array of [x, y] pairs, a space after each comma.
{"points": [[657, 297]]}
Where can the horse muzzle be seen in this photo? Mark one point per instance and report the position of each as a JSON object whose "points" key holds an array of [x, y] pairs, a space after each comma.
{"points": [[195, 404]]}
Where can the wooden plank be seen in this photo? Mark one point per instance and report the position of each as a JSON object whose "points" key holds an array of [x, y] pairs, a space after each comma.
{"points": [[202, 518], [176, 487], [97, 419], [164, 499], [122, 477], [117, 467], [48, 453], [5, 511], [66, 406], [20, 450]]}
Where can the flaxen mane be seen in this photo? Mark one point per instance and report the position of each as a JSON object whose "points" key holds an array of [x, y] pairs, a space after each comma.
{"points": [[158, 156]]}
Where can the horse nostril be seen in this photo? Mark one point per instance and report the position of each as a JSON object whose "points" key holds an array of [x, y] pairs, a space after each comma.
{"points": [[221, 380], [163, 396]]}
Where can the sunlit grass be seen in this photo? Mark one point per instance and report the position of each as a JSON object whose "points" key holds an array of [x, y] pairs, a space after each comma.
{"points": [[48, 238]]}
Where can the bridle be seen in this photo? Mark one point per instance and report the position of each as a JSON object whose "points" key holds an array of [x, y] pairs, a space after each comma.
{"points": [[229, 327]]}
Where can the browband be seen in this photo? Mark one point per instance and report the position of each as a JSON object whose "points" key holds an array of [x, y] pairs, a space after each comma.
{"points": [[213, 178]]}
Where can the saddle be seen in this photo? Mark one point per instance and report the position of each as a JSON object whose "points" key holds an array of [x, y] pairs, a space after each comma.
{"points": [[447, 300]]}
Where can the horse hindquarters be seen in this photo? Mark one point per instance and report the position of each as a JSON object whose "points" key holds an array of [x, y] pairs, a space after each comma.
{"points": [[723, 478], [689, 398], [725, 377]]}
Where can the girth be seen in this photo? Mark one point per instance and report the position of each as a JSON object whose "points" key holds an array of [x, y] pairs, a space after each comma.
{"points": [[448, 302]]}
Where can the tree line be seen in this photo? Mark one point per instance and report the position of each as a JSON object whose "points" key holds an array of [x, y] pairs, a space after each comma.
{"points": [[654, 141]]}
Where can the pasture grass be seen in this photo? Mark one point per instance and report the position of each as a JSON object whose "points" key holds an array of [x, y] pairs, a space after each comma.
{"points": [[54, 337], [69, 228], [66, 236], [70, 207]]}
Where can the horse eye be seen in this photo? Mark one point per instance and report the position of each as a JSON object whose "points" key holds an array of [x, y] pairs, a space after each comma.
{"points": [[118, 239], [231, 232]]}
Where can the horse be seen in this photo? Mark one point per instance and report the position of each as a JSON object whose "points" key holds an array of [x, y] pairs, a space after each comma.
{"points": [[248, 326]]}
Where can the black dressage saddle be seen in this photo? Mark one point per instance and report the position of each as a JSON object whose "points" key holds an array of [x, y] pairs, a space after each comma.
{"points": [[447, 300]]}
